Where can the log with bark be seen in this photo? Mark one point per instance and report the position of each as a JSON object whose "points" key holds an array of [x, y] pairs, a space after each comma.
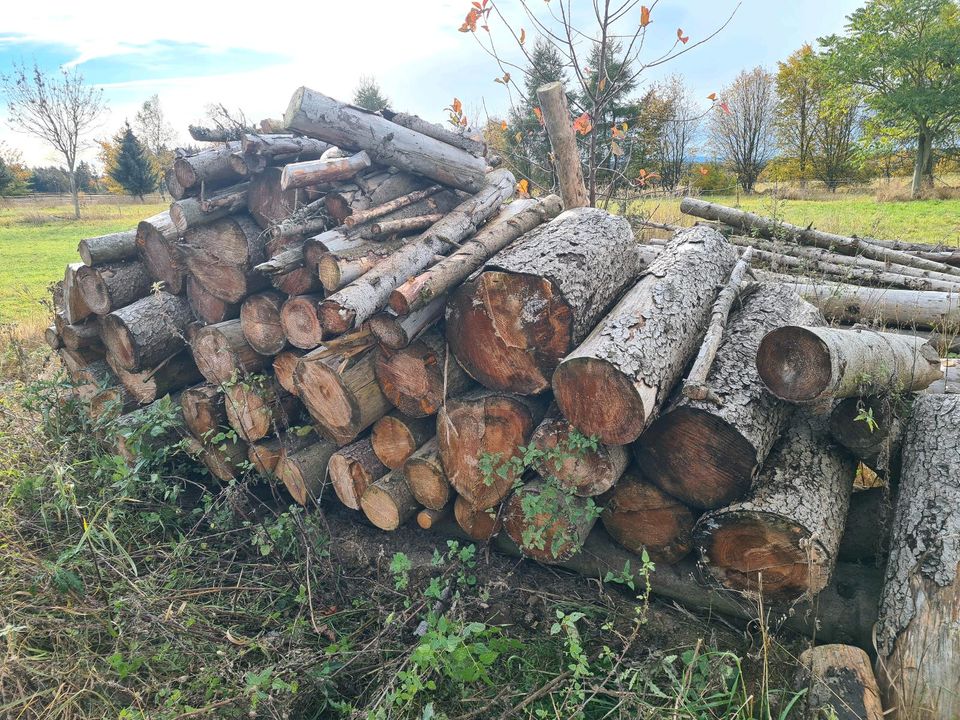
{"points": [[815, 365], [155, 428], [114, 285], [192, 212], [356, 303], [208, 308], [81, 336], [519, 217], [479, 524], [52, 338], [115, 247], [260, 322], [353, 468], [265, 454], [222, 353], [614, 383], [385, 229], [268, 202], [211, 167], [474, 146], [146, 332], [300, 320], [258, 408], [226, 460], [203, 409], [750, 224], [319, 116], [583, 469], [536, 300], [74, 307], [157, 238], [341, 392], [707, 453], [918, 644], [173, 373], [429, 518], [339, 268], [388, 502], [837, 681], [563, 142], [485, 424], [221, 256], [546, 522], [304, 471], [426, 477], [383, 209], [418, 378], [870, 428], [319, 172], [396, 437], [395, 332], [640, 516], [782, 539], [174, 188], [270, 146]]}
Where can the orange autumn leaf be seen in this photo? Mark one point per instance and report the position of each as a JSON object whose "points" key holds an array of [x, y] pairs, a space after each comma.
{"points": [[503, 124], [582, 124], [644, 176], [463, 121], [644, 16], [470, 22], [457, 106], [681, 37], [725, 108], [523, 36], [703, 170], [712, 97], [539, 114], [523, 187], [518, 137], [503, 80]]}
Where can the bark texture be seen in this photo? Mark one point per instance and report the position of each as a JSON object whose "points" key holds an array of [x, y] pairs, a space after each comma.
{"points": [[157, 244], [388, 503], [146, 332], [114, 247], [222, 353]]}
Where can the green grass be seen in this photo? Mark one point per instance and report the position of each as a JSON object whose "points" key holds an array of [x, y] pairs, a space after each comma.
{"points": [[37, 242], [928, 221]]}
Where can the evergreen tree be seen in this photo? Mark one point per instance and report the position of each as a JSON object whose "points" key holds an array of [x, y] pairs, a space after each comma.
{"points": [[7, 178], [133, 169], [369, 96]]}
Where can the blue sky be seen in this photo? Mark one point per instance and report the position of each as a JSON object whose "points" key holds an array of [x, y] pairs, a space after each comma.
{"points": [[192, 54]]}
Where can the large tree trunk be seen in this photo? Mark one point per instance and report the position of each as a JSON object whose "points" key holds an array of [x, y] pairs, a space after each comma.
{"points": [[260, 322], [585, 471], [479, 524], [319, 172], [563, 142], [208, 308], [395, 333], [837, 682], [203, 410], [707, 453], [172, 374], [304, 471], [300, 320], [396, 437], [852, 304], [783, 538], [144, 333], [115, 247], [267, 201], [479, 423], [917, 635], [211, 167], [388, 503], [815, 365], [613, 384], [115, 285], [418, 378], [353, 469], [536, 300], [193, 212], [74, 307], [223, 353], [354, 304], [426, 478], [157, 244], [317, 115], [514, 220], [256, 409], [640, 516], [920, 161], [341, 393], [546, 523], [750, 224]]}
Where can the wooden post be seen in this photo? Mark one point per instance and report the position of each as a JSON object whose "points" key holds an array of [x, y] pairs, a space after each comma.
{"points": [[556, 118]]}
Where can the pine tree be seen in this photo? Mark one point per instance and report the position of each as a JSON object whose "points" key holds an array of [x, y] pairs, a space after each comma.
{"points": [[133, 169], [369, 96]]}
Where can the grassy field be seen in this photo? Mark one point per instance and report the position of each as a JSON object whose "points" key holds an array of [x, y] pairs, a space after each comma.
{"points": [[37, 240]]}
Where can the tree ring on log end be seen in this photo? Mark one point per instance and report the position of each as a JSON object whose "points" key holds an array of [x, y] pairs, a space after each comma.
{"points": [[599, 400], [380, 508], [335, 319], [331, 403], [301, 323], [511, 330], [93, 289], [119, 342], [697, 457], [754, 551], [293, 481], [794, 364]]}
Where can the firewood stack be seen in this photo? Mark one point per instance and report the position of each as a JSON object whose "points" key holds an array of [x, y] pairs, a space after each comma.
{"points": [[355, 305]]}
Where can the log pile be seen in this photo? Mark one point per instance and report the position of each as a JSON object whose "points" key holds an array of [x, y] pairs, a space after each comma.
{"points": [[363, 310]]}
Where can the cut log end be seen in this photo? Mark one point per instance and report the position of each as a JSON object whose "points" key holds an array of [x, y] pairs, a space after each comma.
{"points": [[388, 503], [794, 364], [427, 481], [119, 341], [599, 400], [301, 323], [396, 437], [335, 319], [479, 525], [697, 457]]}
